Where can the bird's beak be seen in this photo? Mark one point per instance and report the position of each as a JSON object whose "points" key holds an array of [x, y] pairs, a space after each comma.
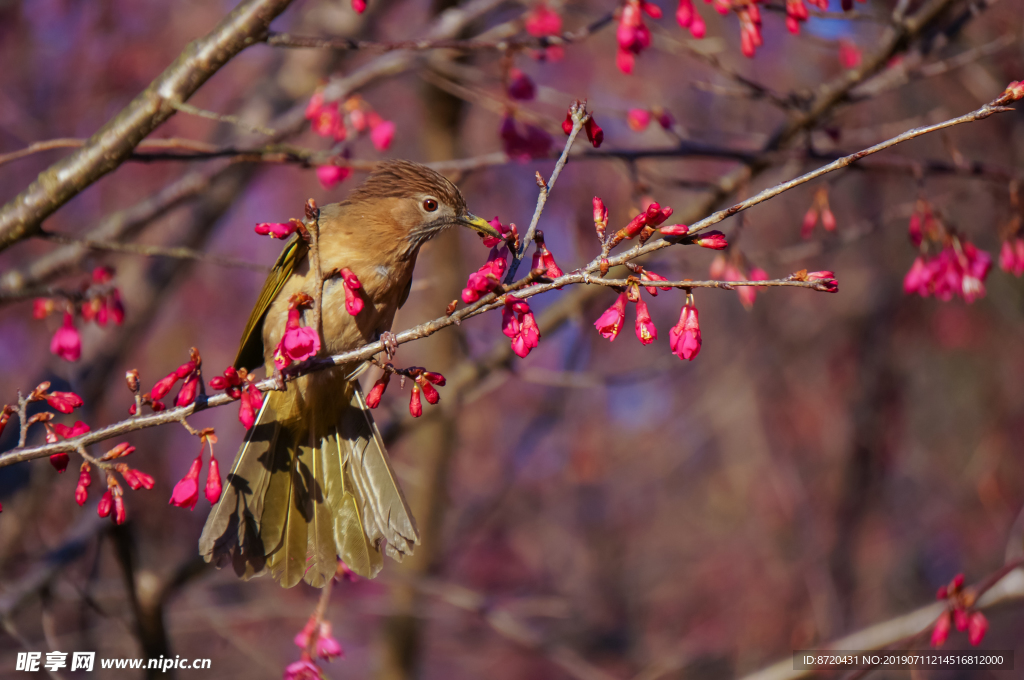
{"points": [[479, 225]]}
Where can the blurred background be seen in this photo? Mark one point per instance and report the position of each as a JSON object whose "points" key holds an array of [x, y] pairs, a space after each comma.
{"points": [[597, 510]]}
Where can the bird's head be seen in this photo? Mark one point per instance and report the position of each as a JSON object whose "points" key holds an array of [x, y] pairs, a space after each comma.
{"points": [[418, 202]]}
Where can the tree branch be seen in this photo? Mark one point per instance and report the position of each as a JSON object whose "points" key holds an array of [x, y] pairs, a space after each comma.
{"points": [[114, 142]]}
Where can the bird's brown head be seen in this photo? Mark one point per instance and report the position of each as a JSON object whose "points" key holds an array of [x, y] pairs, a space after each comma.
{"points": [[422, 203]]}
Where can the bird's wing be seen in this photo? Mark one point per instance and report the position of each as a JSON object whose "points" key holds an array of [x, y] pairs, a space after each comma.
{"points": [[250, 350]]}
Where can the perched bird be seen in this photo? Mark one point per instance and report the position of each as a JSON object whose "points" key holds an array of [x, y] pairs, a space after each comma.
{"points": [[312, 480]]}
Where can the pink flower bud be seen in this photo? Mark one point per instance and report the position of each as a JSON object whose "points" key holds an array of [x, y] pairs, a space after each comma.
{"points": [[326, 646], [255, 396], [567, 123], [646, 332], [305, 669], [435, 378], [329, 175], [65, 402], [715, 240], [646, 275], [246, 413], [186, 492], [594, 132], [828, 220], [377, 391], [106, 504], [674, 230], [213, 486], [188, 391], [359, 6], [84, 481], [415, 406], [610, 322], [381, 134], [976, 628], [276, 229], [941, 630], [810, 219], [960, 619], [542, 20], [638, 119], [119, 513], [42, 307], [684, 338], [1014, 91], [164, 385], [429, 393], [66, 342], [137, 480], [520, 86], [59, 461]]}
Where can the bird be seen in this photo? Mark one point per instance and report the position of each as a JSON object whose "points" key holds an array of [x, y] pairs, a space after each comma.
{"points": [[312, 481]]}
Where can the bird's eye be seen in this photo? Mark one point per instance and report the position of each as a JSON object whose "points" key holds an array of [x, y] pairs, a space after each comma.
{"points": [[430, 205]]}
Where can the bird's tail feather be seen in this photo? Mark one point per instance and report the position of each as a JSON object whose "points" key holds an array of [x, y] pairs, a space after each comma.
{"points": [[308, 488]]}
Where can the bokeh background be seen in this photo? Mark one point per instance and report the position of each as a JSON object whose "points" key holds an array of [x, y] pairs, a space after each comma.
{"points": [[597, 510]]}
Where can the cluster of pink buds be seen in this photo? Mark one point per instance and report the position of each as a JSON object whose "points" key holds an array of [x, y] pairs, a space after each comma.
{"points": [[112, 502], [189, 373], [186, 491], [633, 35], [1011, 256], [58, 432], [522, 141], [959, 269], [63, 402], [796, 13], [611, 321], [819, 210], [316, 641], [423, 382], [101, 302], [734, 269], [328, 119], [594, 132], [959, 612], [298, 342], [750, 26], [540, 22], [688, 17], [644, 225], [518, 323], [239, 384], [488, 277], [639, 119]]}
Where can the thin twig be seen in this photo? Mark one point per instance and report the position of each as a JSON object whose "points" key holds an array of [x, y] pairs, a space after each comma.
{"points": [[75, 143], [221, 118], [155, 251], [579, 115], [566, 38], [313, 229]]}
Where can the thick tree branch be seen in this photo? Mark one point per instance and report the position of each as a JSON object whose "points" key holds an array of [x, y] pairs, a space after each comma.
{"points": [[114, 142]]}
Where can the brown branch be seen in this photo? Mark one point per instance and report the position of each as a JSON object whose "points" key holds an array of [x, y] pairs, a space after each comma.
{"points": [[116, 140], [74, 143]]}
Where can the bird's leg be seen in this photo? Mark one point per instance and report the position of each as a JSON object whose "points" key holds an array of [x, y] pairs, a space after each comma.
{"points": [[390, 342], [278, 377]]}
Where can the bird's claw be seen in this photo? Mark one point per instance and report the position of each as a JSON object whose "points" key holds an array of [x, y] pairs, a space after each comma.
{"points": [[390, 342], [278, 377]]}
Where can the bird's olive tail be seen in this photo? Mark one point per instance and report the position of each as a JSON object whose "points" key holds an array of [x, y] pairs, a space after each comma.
{"points": [[305, 490]]}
